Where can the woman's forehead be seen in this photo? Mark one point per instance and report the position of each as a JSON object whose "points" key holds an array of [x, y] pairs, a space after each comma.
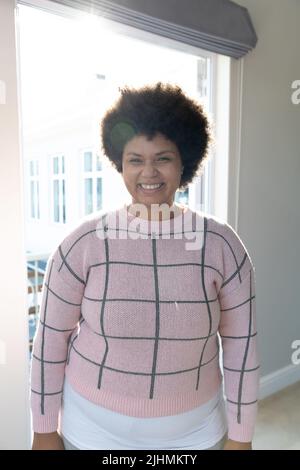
{"points": [[158, 144]]}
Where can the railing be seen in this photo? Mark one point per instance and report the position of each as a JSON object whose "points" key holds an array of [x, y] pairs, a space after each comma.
{"points": [[36, 268]]}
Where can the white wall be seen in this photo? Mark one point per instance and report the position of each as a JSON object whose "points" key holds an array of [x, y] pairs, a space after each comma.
{"points": [[269, 213], [14, 405]]}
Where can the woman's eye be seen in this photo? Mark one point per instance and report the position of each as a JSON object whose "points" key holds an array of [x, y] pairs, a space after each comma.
{"points": [[135, 160]]}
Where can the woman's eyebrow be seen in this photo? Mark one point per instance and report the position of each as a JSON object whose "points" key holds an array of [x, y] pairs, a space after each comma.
{"points": [[158, 153]]}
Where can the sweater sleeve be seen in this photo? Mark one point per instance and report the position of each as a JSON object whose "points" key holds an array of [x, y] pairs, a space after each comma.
{"points": [[238, 333], [60, 308]]}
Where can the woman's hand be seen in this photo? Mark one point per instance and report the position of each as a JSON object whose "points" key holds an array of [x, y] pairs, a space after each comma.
{"points": [[236, 445], [47, 441]]}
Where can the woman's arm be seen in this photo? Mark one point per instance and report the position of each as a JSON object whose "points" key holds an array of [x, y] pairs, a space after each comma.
{"points": [[238, 333], [60, 310]]}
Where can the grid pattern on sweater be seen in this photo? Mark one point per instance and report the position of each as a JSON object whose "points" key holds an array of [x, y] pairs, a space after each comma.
{"points": [[143, 317]]}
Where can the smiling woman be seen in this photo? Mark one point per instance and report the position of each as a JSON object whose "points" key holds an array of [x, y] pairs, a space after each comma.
{"points": [[127, 347], [158, 138], [151, 170]]}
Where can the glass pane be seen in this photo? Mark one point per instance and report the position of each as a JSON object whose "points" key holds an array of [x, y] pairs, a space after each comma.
{"points": [[202, 183], [36, 167], [38, 199], [62, 164], [99, 193], [182, 197], [31, 168], [88, 161], [64, 201], [88, 195], [56, 200], [202, 77], [32, 199], [98, 163], [55, 166]]}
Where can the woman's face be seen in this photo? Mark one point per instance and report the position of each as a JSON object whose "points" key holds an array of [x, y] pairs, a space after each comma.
{"points": [[151, 162]]}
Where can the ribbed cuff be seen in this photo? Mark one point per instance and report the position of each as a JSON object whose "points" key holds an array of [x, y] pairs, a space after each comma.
{"points": [[244, 431], [240, 433], [45, 423]]}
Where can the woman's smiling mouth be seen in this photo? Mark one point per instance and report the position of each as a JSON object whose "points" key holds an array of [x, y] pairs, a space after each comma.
{"points": [[150, 188]]}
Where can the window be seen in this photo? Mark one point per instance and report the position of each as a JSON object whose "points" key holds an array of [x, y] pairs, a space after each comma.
{"points": [[67, 117], [92, 167], [34, 189], [182, 197], [58, 189]]}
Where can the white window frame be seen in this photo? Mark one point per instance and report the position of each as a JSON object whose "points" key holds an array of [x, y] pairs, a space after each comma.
{"points": [[195, 186], [94, 174], [60, 177], [35, 195]]}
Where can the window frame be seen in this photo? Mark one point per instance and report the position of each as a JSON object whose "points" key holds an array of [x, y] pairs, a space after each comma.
{"points": [[148, 37], [35, 195], [94, 174], [61, 178]]}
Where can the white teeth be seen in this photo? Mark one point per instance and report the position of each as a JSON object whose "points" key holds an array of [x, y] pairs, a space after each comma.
{"points": [[151, 186]]}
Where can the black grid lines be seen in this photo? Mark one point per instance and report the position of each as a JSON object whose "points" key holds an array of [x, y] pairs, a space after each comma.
{"points": [[75, 243], [107, 228], [240, 391], [234, 257], [150, 265], [206, 306], [156, 318], [102, 311], [128, 299], [44, 325], [206, 300], [43, 347], [148, 374]]}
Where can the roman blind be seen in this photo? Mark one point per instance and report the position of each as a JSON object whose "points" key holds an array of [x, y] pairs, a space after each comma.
{"points": [[220, 26]]}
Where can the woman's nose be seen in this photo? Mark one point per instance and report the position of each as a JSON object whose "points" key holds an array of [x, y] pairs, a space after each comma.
{"points": [[149, 170]]}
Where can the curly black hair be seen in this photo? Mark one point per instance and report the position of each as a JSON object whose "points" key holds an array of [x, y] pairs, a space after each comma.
{"points": [[159, 108]]}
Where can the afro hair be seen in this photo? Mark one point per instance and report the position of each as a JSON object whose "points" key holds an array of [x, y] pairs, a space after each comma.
{"points": [[164, 109]]}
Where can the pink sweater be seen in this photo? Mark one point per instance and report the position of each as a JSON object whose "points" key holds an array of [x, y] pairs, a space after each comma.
{"points": [[133, 312]]}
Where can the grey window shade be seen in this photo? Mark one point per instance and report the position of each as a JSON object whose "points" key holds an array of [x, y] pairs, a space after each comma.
{"points": [[219, 26]]}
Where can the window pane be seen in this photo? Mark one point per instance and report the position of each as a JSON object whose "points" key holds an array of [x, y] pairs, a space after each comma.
{"points": [[88, 161], [202, 183], [98, 163], [56, 200], [55, 165], [62, 164], [182, 197], [31, 168], [36, 167], [32, 205], [38, 199], [63, 201], [88, 195], [99, 193]]}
